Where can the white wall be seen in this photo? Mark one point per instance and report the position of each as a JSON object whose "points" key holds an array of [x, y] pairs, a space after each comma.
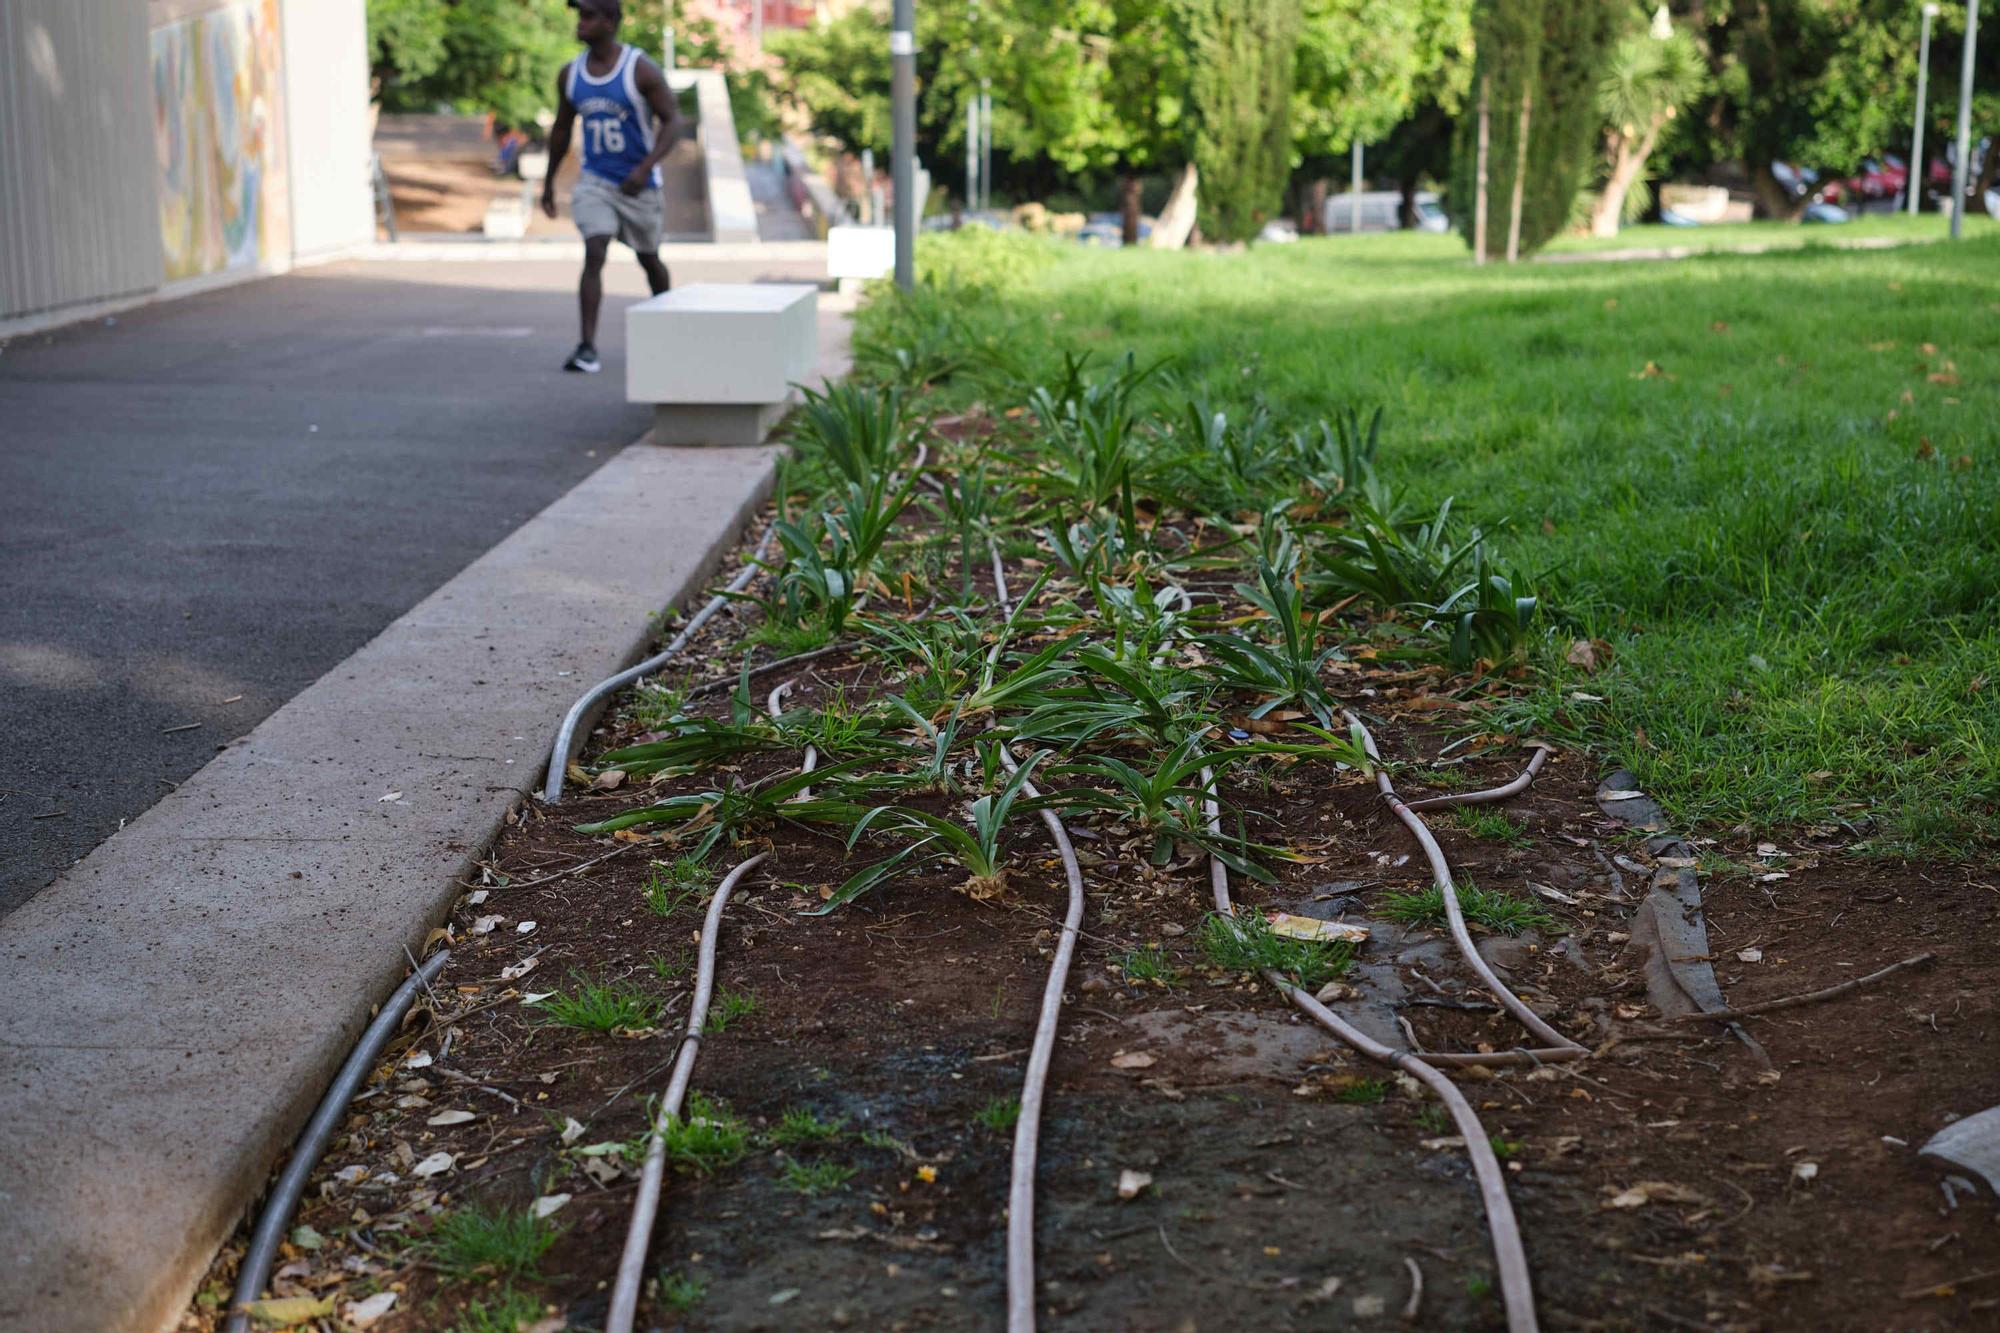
{"points": [[326, 105], [79, 215]]}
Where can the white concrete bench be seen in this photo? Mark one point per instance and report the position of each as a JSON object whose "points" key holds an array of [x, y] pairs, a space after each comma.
{"points": [[718, 360]]}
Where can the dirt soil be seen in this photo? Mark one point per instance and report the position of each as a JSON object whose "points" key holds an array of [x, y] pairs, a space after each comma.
{"points": [[1678, 1178]]}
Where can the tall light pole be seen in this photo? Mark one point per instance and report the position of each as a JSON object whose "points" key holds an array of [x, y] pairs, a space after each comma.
{"points": [[1959, 167], [903, 147], [1354, 194], [985, 143], [1917, 173]]}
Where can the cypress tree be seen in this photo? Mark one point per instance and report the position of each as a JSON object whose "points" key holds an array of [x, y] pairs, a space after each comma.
{"points": [[1242, 95], [1552, 54]]}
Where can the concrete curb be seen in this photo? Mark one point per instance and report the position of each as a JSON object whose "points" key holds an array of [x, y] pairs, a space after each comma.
{"points": [[177, 1001]]}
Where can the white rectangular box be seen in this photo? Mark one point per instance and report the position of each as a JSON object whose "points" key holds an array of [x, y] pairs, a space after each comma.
{"points": [[860, 252], [714, 344]]}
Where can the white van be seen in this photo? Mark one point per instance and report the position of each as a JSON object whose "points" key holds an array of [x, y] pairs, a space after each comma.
{"points": [[1379, 209]]}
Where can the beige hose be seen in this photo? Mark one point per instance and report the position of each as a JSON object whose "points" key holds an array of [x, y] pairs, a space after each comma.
{"points": [[1448, 891], [1506, 791], [772, 703], [1516, 1285], [645, 1207]]}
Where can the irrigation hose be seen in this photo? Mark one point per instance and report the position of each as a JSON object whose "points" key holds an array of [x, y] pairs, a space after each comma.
{"points": [[646, 1206], [1027, 1128], [1516, 1285], [1504, 792], [565, 745], [1448, 892], [255, 1269], [772, 704]]}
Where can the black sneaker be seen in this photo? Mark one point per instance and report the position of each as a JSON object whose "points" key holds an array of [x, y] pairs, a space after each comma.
{"points": [[584, 359]]}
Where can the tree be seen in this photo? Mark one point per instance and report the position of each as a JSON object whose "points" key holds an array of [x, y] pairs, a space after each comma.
{"points": [[1815, 83], [1652, 76], [1364, 66], [1539, 63], [837, 74], [1242, 95], [474, 56]]}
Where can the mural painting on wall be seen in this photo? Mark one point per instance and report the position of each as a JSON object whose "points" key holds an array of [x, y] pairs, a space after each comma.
{"points": [[217, 122]]}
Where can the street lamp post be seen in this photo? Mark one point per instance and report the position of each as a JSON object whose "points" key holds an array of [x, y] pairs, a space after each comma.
{"points": [[1918, 175], [1354, 193], [903, 148], [1958, 168]]}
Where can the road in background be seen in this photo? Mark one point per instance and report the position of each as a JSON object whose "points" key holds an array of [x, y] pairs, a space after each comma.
{"points": [[205, 504]]}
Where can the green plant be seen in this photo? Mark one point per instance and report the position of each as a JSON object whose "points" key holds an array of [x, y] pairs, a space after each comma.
{"points": [[1505, 1149], [509, 1311], [727, 1007], [681, 1292], [1363, 1092], [1166, 800], [1494, 825], [1148, 965], [1241, 94], [705, 1138], [1245, 942], [668, 969], [999, 1114], [655, 706], [814, 1179], [597, 1005], [858, 428], [977, 849], [1432, 1118], [1288, 669], [473, 1241], [672, 885], [882, 1140], [1337, 459], [1502, 913], [799, 1126]]}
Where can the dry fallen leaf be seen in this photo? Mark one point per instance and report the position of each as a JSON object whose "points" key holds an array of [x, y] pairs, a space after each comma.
{"points": [[1132, 1183], [436, 1164], [549, 1203], [1133, 1060], [609, 780], [1749, 955], [417, 1060], [1593, 655], [366, 1314], [451, 1118], [1651, 1191], [284, 1311]]}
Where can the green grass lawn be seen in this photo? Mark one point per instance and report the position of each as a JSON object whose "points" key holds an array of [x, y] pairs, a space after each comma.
{"points": [[1772, 482]]}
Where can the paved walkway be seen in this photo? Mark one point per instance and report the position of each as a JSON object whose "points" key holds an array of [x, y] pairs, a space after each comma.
{"points": [[176, 1002], [209, 502]]}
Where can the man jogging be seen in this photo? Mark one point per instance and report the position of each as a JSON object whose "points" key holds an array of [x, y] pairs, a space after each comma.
{"points": [[616, 93]]}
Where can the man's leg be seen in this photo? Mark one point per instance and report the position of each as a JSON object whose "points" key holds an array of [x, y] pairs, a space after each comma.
{"points": [[590, 290], [656, 272]]}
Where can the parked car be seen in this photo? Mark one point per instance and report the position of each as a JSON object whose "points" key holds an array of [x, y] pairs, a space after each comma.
{"points": [[1109, 229], [1381, 211]]}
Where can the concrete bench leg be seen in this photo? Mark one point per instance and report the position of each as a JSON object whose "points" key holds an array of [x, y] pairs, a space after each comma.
{"points": [[716, 423]]}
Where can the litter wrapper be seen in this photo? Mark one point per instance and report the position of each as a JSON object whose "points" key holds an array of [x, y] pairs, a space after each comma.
{"points": [[1312, 928]]}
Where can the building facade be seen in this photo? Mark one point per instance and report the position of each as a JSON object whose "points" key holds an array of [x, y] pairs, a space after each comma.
{"points": [[151, 147]]}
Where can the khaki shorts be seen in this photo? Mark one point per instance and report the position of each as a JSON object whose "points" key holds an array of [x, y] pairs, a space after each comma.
{"points": [[602, 209]]}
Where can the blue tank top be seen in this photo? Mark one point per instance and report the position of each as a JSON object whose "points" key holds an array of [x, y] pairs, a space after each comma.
{"points": [[614, 121]]}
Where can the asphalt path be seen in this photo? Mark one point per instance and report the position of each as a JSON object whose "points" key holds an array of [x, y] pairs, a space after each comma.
{"points": [[206, 504]]}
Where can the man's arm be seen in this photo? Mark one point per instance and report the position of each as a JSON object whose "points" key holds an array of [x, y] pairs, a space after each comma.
{"points": [[558, 140], [652, 85]]}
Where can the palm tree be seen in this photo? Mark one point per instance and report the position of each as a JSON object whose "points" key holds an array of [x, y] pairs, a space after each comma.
{"points": [[1651, 76]]}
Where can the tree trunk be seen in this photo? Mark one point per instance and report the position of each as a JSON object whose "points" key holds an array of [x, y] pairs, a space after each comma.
{"points": [[1627, 165], [1312, 218], [1776, 201], [1128, 208], [1406, 212], [1520, 181], [1479, 189]]}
